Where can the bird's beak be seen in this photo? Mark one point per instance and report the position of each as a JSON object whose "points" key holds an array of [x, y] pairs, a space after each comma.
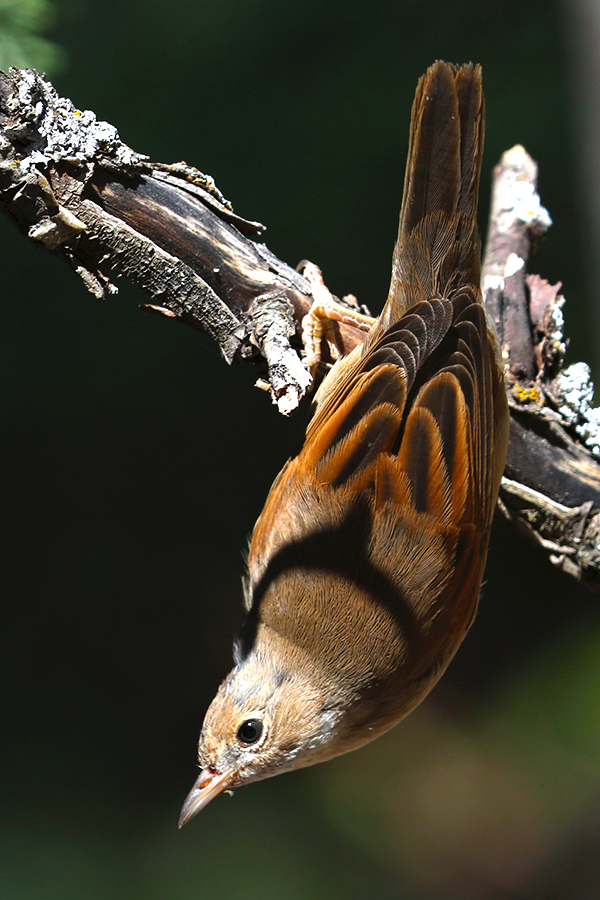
{"points": [[209, 784]]}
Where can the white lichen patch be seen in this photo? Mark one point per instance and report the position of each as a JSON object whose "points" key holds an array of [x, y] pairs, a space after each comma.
{"points": [[558, 334], [513, 265], [577, 391], [493, 283], [57, 130], [529, 209], [516, 195]]}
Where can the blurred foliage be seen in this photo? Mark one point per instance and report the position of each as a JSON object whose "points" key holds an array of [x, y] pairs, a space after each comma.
{"points": [[21, 25], [134, 464]]}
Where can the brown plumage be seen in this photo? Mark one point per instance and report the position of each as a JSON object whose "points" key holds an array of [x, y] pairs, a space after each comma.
{"points": [[366, 563]]}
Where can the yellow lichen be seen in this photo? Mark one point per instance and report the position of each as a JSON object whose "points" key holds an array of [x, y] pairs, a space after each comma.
{"points": [[526, 393]]}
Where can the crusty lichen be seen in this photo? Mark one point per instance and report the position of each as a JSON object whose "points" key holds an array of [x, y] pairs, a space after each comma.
{"points": [[577, 391]]}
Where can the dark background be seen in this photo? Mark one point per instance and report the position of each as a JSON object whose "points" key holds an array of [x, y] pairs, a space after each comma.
{"points": [[134, 463]]}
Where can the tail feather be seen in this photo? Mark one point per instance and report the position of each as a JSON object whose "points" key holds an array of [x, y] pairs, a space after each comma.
{"points": [[437, 250]]}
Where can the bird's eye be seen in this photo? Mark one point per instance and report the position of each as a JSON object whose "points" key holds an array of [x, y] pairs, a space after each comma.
{"points": [[250, 731]]}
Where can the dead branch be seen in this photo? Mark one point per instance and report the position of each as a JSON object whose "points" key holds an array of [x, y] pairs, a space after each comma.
{"points": [[551, 488], [68, 182]]}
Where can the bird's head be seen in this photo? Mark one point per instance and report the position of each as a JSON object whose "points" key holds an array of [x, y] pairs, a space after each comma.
{"points": [[268, 717]]}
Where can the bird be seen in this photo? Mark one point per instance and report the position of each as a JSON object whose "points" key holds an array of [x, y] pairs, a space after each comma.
{"points": [[365, 566]]}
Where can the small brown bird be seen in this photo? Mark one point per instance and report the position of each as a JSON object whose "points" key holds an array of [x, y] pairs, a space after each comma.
{"points": [[365, 565]]}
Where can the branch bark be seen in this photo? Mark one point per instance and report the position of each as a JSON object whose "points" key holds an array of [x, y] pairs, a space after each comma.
{"points": [[551, 488], [67, 181]]}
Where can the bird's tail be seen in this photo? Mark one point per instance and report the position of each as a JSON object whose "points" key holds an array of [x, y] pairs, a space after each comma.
{"points": [[437, 250]]}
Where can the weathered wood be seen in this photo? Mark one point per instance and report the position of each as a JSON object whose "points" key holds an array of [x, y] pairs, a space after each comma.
{"points": [[552, 486], [67, 181]]}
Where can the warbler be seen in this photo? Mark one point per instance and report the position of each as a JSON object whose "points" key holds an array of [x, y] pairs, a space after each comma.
{"points": [[365, 566]]}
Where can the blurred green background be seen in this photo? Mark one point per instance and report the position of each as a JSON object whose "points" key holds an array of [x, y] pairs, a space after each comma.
{"points": [[134, 463]]}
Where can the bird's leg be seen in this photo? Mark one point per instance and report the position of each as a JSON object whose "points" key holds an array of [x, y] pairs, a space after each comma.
{"points": [[326, 309]]}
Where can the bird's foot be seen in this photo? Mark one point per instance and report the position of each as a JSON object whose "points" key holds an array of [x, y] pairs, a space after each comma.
{"points": [[320, 322]]}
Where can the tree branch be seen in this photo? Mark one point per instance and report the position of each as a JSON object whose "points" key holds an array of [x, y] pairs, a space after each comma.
{"points": [[67, 181], [552, 486]]}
